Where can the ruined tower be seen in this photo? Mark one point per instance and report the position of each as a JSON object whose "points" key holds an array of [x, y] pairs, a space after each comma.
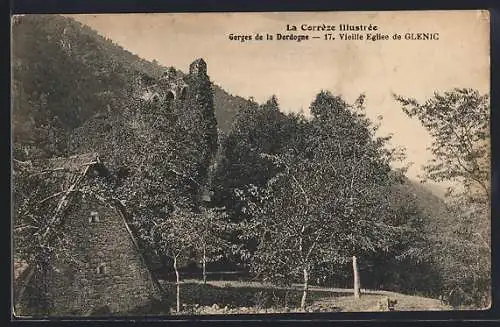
{"points": [[190, 98], [172, 85], [198, 68]]}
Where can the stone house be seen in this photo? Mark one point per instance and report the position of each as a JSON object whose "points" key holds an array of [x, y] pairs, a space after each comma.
{"points": [[101, 268]]}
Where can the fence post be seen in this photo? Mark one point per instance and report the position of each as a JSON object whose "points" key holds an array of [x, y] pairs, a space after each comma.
{"points": [[357, 292]]}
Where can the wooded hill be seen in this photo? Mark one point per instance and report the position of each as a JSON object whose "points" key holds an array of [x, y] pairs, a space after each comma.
{"points": [[64, 73]]}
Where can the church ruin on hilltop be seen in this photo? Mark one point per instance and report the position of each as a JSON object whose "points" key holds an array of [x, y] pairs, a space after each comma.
{"points": [[100, 269], [172, 85]]}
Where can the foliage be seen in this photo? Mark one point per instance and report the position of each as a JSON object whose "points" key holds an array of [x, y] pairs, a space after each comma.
{"points": [[408, 265], [256, 129], [212, 228], [328, 201], [458, 122], [65, 73]]}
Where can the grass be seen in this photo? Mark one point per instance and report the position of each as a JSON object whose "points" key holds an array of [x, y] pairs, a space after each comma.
{"points": [[224, 297], [235, 295], [370, 303]]}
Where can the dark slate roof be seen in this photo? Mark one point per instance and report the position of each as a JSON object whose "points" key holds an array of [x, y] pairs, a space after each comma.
{"points": [[68, 169], [73, 163]]}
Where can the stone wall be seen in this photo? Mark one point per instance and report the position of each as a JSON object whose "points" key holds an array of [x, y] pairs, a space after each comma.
{"points": [[102, 267]]}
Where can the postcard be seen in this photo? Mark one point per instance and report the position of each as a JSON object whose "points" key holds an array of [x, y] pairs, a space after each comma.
{"points": [[170, 164]]}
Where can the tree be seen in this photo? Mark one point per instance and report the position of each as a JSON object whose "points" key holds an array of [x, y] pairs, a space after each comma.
{"points": [[256, 129], [175, 237], [327, 202], [458, 122], [408, 265], [184, 232], [212, 228]]}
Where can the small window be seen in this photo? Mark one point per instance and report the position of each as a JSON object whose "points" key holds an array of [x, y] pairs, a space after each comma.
{"points": [[94, 217], [107, 128], [170, 96], [101, 269], [183, 93]]}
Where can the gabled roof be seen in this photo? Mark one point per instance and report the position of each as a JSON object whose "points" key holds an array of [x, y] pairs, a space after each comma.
{"points": [[19, 267], [71, 172], [72, 163]]}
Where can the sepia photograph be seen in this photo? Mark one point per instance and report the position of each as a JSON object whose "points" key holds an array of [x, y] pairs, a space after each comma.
{"points": [[184, 164]]}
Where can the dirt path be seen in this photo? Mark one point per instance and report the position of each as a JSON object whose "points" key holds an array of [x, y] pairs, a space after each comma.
{"points": [[341, 299], [293, 286]]}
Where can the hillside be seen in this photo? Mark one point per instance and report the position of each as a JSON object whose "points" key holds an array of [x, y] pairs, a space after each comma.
{"points": [[429, 203], [436, 189], [65, 73], [226, 107]]}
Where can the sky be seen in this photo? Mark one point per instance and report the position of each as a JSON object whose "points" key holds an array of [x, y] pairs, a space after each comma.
{"points": [[296, 71]]}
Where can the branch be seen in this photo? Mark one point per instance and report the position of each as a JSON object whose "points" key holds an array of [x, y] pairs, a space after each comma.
{"points": [[295, 179], [483, 240], [62, 168], [471, 174], [312, 247], [183, 175], [54, 195], [63, 201], [21, 162], [302, 190], [19, 228], [45, 172]]}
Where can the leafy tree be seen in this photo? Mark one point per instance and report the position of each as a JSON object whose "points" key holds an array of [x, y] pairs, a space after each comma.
{"points": [[458, 122], [408, 265], [212, 228], [175, 237], [463, 253], [256, 129], [328, 200]]}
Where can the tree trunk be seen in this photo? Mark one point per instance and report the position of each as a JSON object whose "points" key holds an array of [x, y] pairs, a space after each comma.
{"points": [[204, 263], [177, 283], [306, 287], [357, 292]]}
